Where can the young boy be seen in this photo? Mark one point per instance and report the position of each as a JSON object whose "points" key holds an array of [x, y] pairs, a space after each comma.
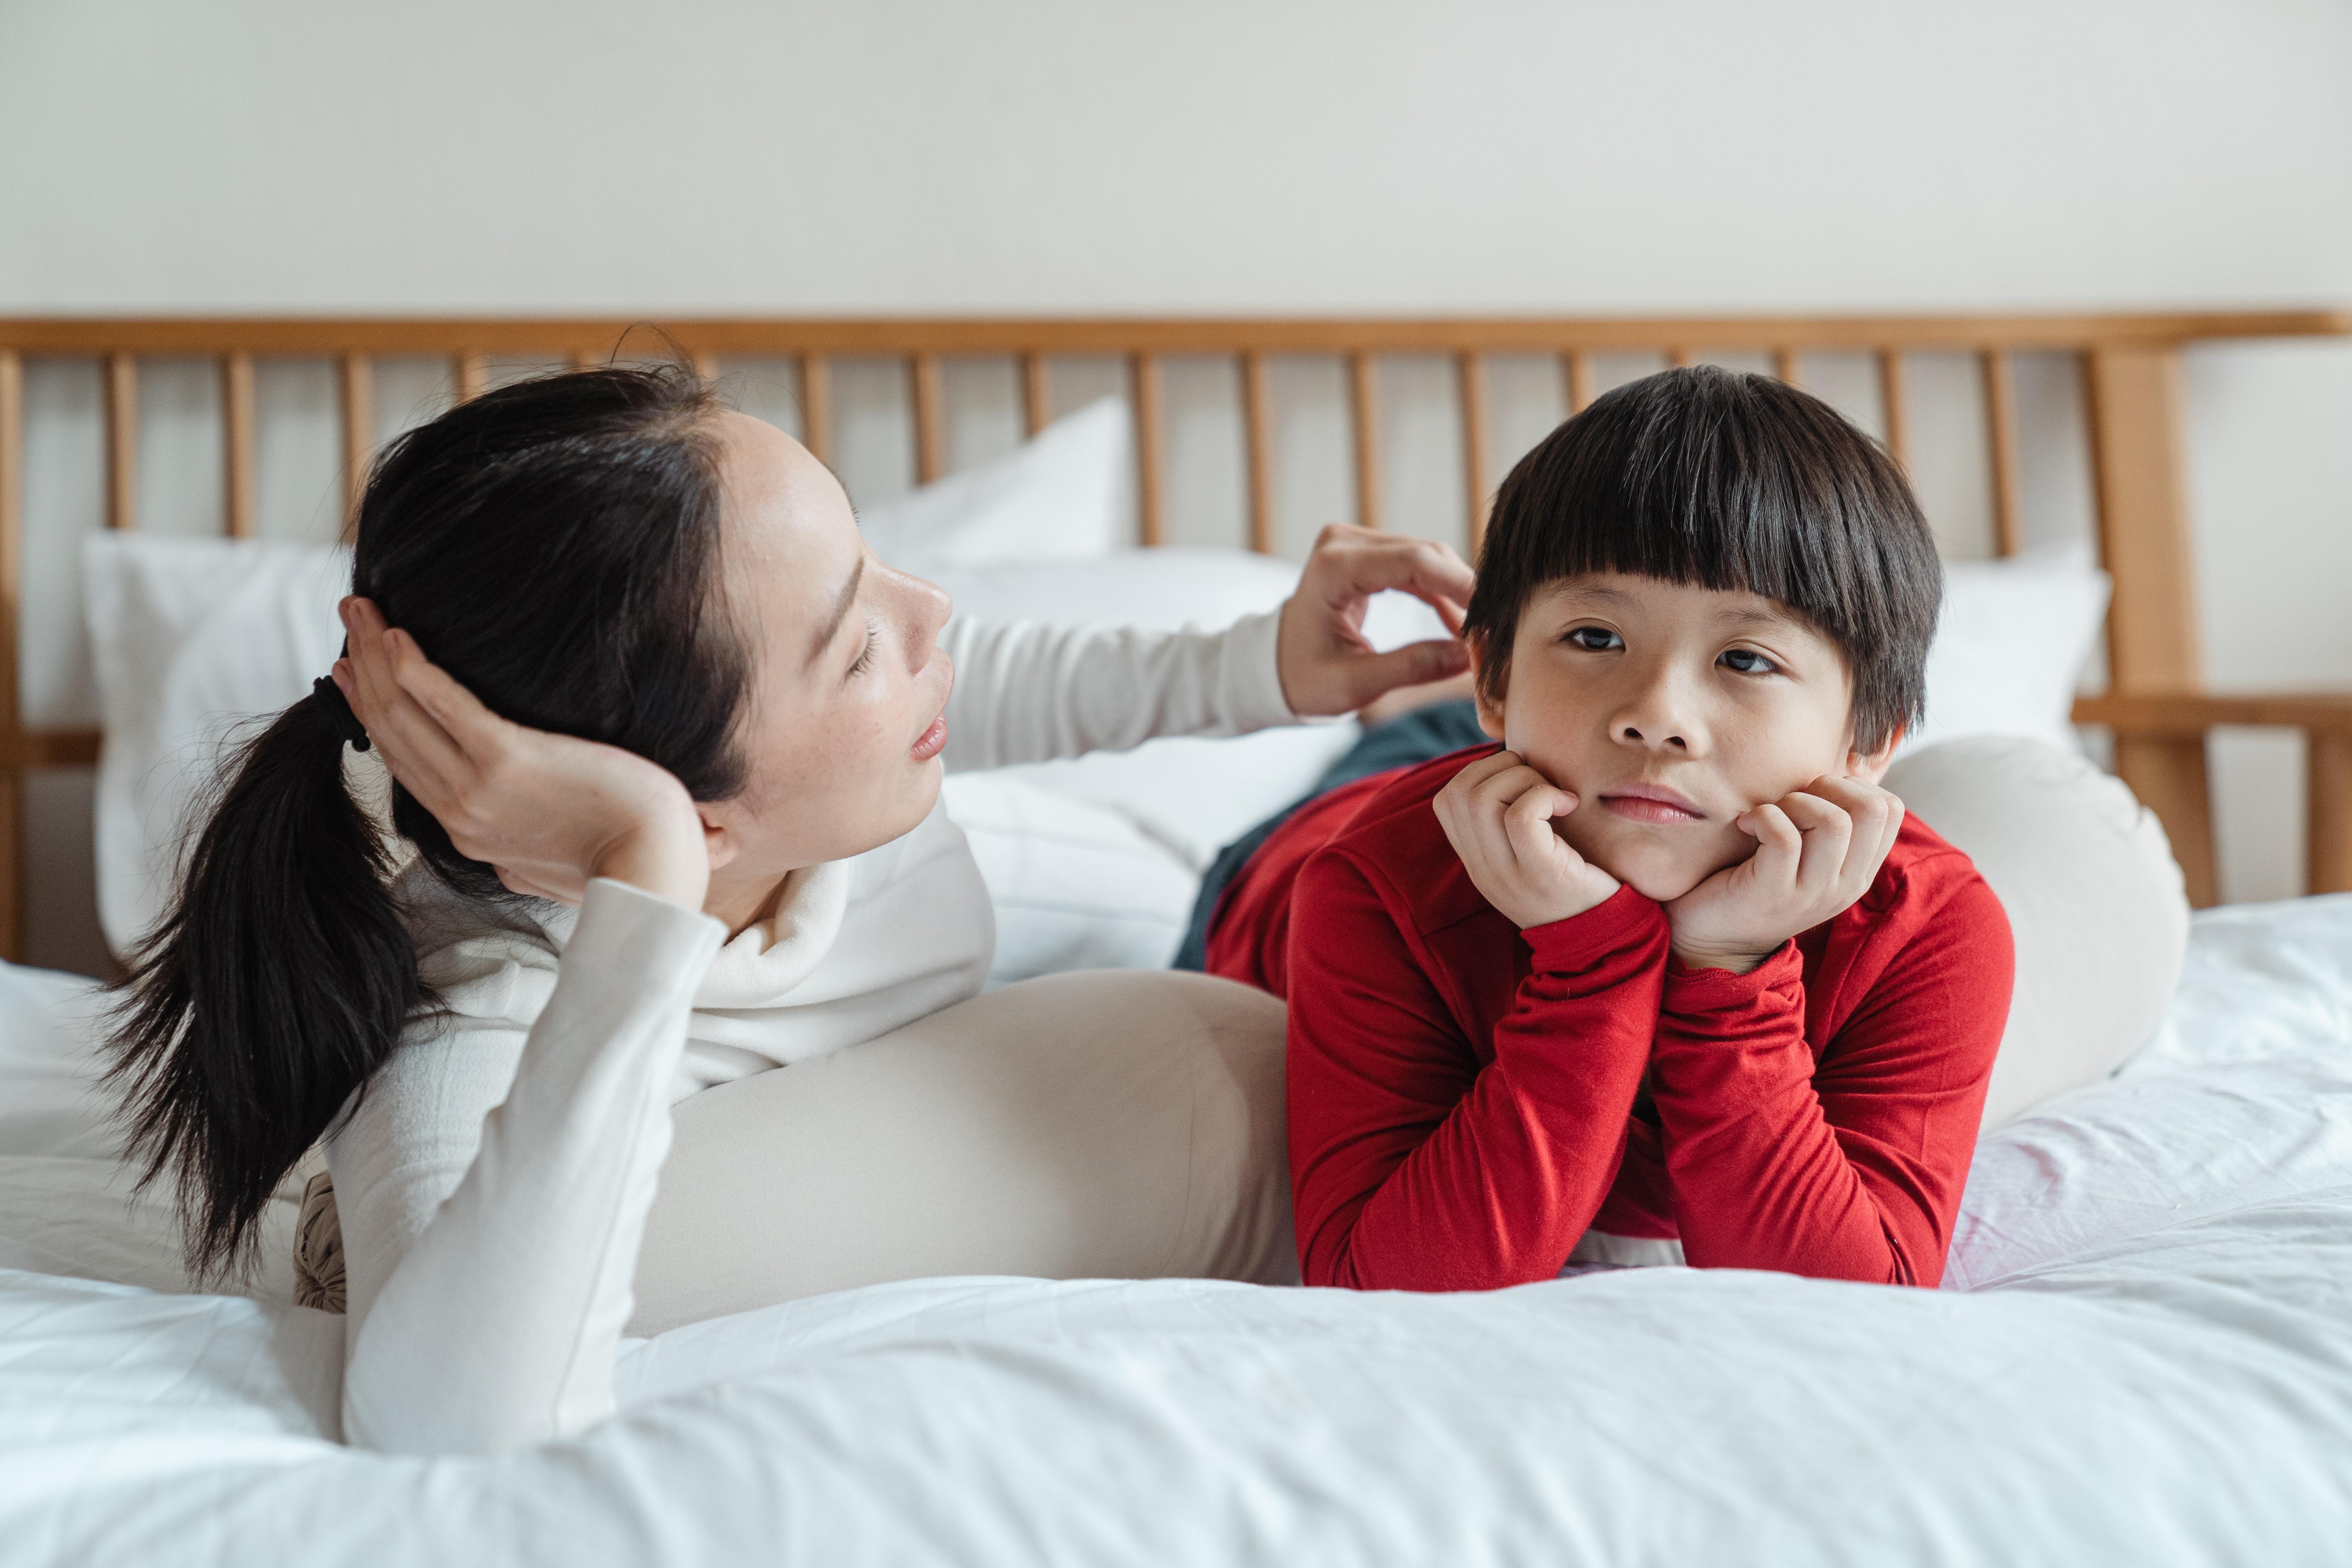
{"points": [[1664, 965]]}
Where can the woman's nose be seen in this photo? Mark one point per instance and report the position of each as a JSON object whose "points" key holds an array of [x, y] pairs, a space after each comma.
{"points": [[929, 608]]}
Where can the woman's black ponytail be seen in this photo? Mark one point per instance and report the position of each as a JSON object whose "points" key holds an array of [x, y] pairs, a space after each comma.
{"points": [[276, 983], [553, 544]]}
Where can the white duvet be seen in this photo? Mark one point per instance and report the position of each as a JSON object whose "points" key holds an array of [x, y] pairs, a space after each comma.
{"points": [[2143, 1355]]}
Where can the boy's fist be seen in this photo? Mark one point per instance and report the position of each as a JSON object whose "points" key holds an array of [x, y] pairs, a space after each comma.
{"points": [[1817, 849], [1497, 814]]}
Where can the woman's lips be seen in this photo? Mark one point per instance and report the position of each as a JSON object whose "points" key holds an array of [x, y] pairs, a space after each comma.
{"points": [[1651, 803], [931, 741]]}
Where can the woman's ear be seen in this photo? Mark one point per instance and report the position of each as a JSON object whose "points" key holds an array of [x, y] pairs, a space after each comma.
{"points": [[1870, 767], [719, 841], [1488, 696]]}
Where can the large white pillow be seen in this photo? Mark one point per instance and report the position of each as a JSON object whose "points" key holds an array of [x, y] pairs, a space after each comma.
{"points": [[2011, 645], [192, 637], [1074, 885], [1055, 498]]}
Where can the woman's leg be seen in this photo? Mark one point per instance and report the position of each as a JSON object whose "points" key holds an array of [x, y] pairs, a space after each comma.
{"points": [[1123, 1124]]}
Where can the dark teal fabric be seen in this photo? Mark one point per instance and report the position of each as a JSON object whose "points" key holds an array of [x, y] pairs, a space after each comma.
{"points": [[1410, 738]]}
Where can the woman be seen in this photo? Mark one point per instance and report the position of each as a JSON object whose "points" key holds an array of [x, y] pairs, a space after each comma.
{"points": [[672, 773]]}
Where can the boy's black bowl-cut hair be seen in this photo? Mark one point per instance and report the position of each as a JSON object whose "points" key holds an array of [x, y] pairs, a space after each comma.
{"points": [[1726, 480]]}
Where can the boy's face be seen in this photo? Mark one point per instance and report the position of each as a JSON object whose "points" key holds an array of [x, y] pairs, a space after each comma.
{"points": [[1668, 711]]}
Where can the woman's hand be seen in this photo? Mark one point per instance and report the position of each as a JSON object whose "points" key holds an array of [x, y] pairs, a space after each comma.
{"points": [[550, 811], [1326, 666], [1817, 850], [1497, 814]]}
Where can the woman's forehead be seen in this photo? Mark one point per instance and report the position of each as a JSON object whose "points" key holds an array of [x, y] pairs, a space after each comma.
{"points": [[789, 536]]}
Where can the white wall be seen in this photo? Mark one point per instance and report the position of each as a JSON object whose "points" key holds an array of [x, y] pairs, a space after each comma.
{"points": [[927, 156]]}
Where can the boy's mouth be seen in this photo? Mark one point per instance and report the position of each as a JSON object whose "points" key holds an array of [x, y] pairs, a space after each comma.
{"points": [[1651, 803]]}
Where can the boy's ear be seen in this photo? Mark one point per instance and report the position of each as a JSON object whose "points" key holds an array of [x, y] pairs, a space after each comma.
{"points": [[1870, 767], [1490, 706]]}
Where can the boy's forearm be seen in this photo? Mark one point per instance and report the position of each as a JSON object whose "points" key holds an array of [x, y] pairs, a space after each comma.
{"points": [[1762, 1176], [1499, 1189]]}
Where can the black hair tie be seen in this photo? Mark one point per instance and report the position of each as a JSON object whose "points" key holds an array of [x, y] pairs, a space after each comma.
{"points": [[338, 708]]}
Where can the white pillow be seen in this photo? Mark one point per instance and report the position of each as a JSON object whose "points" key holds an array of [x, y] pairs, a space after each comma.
{"points": [[1074, 885], [2010, 648], [191, 638], [1055, 498]]}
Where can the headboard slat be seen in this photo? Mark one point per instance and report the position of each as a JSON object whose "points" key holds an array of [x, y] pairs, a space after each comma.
{"points": [[121, 440], [816, 405], [11, 560], [1576, 377], [1470, 392], [1036, 394], [1257, 455], [237, 446], [355, 378], [1891, 408], [930, 417], [2000, 450], [1151, 477], [1364, 427]]}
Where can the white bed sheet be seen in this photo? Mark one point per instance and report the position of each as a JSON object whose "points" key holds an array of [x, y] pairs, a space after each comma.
{"points": [[2144, 1354]]}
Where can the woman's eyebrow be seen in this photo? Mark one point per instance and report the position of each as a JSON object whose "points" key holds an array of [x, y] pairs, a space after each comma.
{"points": [[842, 601]]}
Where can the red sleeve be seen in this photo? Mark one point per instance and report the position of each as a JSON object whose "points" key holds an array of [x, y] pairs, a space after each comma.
{"points": [[1852, 1169], [1411, 1166]]}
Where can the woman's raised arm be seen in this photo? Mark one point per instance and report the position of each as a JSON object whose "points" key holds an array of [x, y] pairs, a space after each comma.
{"points": [[1028, 693]]}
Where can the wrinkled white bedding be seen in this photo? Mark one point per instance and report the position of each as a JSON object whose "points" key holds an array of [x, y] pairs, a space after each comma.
{"points": [[2143, 1354]]}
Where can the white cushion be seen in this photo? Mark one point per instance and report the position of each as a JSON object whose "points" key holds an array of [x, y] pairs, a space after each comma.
{"points": [[1056, 497], [2010, 647], [1073, 885], [192, 637], [2094, 902]]}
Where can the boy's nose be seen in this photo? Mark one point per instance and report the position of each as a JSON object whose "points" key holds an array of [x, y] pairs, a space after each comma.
{"points": [[1656, 717], [1633, 736]]}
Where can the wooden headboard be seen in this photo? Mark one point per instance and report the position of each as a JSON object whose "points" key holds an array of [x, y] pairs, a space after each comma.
{"points": [[2131, 381]]}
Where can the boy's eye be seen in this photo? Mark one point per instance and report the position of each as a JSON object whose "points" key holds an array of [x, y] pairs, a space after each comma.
{"points": [[1596, 639], [1748, 661]]}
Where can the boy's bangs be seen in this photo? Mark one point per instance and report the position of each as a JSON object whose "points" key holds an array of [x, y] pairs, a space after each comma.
{"points": [[1730, 481]]}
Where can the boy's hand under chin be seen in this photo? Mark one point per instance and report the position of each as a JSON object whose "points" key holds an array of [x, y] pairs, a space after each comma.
{"points": [[1497, 814], [1817, 849]]}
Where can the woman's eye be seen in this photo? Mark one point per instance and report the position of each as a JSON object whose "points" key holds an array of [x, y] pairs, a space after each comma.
{"points": [[1748, 661], [865, 659], [1596, 639]]}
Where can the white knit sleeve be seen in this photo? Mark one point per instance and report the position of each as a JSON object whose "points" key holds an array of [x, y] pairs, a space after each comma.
{"points": [[1027, 692], [493, 1184]]}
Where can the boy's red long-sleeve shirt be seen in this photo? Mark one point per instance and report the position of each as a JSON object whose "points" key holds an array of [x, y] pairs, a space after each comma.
{"points": [[1465, 1099]]}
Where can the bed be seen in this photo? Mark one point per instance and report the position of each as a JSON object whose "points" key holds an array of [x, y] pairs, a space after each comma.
{"points": [[2142, 1351]]}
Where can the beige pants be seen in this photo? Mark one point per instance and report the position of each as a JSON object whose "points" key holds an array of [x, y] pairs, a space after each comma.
{"points": [[1119, 1124]]}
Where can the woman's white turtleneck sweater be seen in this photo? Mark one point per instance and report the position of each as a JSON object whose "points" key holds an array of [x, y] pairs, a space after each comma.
{"points": [[493, 1179]]}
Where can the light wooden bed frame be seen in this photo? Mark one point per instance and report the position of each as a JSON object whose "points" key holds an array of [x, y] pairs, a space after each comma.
{"points": [[2131, 380]]}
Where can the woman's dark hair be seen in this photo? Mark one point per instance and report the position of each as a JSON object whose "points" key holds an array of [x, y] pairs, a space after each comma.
{"points": [[555, 545], [1726, 480]]}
